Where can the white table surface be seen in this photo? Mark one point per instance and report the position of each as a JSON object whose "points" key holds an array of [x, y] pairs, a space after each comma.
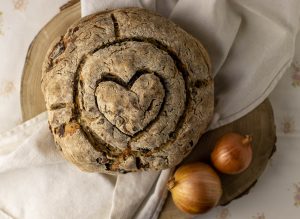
{"points": [[277, 193]]}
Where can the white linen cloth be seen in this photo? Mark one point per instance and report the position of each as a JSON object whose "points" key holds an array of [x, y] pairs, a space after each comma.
{"points": [[251, 45], [37, 183]]}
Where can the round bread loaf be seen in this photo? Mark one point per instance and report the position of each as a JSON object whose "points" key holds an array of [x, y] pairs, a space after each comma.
{"points": [[127, 90]]}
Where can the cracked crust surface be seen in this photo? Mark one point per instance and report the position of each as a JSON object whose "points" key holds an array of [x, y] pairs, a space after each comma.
{"points": [[127, 90]]}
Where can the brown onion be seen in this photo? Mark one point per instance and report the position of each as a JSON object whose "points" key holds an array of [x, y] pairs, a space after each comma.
{"points": [[195, 188], [232, 153]]}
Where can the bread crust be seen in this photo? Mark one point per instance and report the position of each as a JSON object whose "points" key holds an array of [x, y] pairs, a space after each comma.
{"points": [[127, 90]]}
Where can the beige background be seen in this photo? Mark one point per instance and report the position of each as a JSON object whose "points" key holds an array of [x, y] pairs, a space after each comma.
{"points": [[276, 195]]}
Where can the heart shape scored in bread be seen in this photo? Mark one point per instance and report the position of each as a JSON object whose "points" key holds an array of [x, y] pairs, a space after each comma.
{"points": [[131, 108]]}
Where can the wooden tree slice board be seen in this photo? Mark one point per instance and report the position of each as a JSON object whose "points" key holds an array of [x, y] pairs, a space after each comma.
{"points": [[32, 101], [259, 123]]}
